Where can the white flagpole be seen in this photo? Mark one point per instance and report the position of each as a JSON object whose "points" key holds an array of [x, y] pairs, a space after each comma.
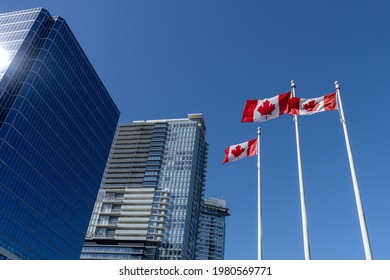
{"points": [[363, 227], [259, 229], [301, 187]]}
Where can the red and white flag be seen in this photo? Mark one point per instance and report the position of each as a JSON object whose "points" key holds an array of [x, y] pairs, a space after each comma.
{"points": [[266, 109], [239, 151], [305, 106]]}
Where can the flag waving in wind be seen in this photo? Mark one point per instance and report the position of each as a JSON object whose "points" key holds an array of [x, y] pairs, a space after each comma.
{"points": [[239, 151], [266, 109], [304, 106]]}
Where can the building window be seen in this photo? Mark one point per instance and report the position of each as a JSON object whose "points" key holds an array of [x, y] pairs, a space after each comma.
{"points": [[116, 208]]}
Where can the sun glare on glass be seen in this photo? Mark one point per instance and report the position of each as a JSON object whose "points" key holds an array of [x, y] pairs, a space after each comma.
{"points": [[4, 59]]}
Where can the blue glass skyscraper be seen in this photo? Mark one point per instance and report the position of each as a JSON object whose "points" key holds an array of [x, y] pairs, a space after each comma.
{"points": [[57, 123]]}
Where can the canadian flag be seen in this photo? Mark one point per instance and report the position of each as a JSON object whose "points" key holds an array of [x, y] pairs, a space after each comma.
{"points": [[239, 151], [266, 109], [304, 106]]}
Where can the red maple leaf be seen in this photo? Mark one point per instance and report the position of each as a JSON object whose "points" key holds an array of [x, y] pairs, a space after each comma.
{"points": [[237, 151], [266, 109], [311, 106]]}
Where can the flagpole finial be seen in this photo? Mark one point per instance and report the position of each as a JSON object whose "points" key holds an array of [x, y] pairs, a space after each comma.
{"points": [[259, 130], [292, 83], [337, 85]]}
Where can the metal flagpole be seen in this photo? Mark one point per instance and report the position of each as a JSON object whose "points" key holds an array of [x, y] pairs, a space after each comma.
{"points": [[301, 188], [259, 229], [363, 227]]}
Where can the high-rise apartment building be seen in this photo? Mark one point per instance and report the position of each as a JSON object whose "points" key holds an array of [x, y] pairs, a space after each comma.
{"points": [[210, 242], [149, 202], [57, 122]]}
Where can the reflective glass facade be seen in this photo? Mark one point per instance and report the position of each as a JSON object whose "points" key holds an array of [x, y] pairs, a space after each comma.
{"points": [[57, 123], [183, 173]]}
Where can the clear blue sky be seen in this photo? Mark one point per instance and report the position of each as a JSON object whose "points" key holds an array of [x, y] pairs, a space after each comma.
{"points": [[165, 59]]}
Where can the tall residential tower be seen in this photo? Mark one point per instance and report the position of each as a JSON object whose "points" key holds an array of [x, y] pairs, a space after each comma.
{"points": [[57, 122], [149, 202]]}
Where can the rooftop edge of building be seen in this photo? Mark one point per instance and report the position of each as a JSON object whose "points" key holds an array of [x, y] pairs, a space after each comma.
{"points": [[192, 116]]}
